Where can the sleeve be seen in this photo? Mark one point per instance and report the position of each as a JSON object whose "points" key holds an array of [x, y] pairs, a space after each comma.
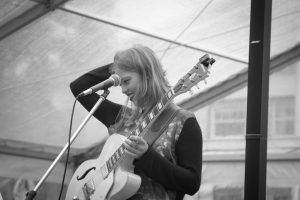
{"points": [[185, 176], [107, 111]]}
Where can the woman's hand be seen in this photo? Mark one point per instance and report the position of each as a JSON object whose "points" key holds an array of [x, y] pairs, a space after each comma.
{"points": [[135, 146]]}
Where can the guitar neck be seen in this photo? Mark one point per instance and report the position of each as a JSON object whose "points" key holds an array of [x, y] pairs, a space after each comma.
{"points": [[153, 114], [141, 127]]}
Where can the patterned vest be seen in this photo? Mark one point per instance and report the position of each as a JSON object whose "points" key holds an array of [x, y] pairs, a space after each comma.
{"points": [[165, 145]]}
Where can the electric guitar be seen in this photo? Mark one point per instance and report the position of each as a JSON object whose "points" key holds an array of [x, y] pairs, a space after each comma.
{"points": [[111, 176]]}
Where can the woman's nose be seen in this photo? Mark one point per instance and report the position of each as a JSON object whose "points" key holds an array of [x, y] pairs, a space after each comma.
{"points": [[124, 89]]}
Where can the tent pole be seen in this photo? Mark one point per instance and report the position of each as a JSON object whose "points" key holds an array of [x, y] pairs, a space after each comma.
{"points": [[257, 103]]}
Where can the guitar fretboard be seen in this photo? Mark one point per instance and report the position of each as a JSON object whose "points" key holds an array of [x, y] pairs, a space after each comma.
{"points": [[147, 121]]}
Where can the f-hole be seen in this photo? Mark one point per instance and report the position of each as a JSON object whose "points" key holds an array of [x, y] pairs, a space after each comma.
{"points": [[85, 173]]}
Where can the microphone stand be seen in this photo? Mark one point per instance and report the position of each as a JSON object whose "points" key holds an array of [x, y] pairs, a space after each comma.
{"points": [[31, 194]]}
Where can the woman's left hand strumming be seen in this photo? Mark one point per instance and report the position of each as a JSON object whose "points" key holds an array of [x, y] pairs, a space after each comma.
{"points": [[135, 146]]}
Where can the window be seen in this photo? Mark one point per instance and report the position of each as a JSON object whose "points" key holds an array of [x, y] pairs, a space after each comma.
{"points": [[229, 117], [281, 116], [279, 194], [228, 194]]}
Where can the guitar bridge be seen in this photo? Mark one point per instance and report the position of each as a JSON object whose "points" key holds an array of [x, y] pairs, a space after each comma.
{"points": [[88, 189]]}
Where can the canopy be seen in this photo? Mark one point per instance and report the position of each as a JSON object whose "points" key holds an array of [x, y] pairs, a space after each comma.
{"points": [[46, 44]]}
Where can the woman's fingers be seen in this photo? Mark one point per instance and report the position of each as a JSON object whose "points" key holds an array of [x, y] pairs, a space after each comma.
{"points": [[136, 146]]}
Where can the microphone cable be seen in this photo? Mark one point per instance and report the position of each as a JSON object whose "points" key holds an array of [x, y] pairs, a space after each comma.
{"points": [[68, 151]]}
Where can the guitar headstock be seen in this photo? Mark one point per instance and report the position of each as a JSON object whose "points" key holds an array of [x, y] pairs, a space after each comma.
{"points": [[197, 74]]}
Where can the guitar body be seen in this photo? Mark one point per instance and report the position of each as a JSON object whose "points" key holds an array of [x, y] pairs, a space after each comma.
{"points": [[89, 181]]}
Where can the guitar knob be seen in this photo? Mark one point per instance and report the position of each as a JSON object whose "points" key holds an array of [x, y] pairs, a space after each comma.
{"points": [[75, 198]]}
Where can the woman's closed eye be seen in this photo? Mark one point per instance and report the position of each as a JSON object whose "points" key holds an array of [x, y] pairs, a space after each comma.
{"points": [[125, 82]]}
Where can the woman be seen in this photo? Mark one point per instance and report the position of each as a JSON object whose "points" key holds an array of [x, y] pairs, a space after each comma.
{"points": [[171, 166]]}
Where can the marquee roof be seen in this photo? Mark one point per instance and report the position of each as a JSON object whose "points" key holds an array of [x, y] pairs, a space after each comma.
{"points": [[46, 44]]}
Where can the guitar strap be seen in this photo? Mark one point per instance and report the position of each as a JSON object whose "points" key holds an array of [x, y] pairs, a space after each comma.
{"points": [[161, 123]]}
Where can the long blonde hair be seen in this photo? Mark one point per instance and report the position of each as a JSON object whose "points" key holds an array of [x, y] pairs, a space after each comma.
{"points": [[153, 86]]}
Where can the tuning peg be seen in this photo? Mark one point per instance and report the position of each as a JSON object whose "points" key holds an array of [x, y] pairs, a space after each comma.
{"points": [[197, 86]]}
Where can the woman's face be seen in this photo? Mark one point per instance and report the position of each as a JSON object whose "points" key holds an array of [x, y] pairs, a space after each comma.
{"points": [[129, 83]]}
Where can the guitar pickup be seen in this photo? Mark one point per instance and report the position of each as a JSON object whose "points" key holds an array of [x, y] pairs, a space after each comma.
{"points": [[104, 171]]}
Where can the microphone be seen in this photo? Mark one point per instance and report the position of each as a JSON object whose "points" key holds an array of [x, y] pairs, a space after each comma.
{"points": [[113, 80]]}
